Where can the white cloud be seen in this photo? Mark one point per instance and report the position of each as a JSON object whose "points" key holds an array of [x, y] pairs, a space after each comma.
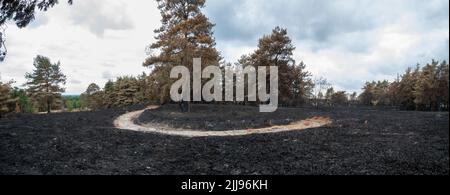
{"points": [[101, 15]]}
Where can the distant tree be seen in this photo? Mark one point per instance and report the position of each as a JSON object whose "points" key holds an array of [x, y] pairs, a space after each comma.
{"points": [[22, 13], [424, 88], [109, 95], [339, 98], [92, 88], [381, 93], [367, 96], [127, 91], [144, 92], [44, 83], [25, 104], [320, 85], [72, 102], [320, 96], [329, 95], [123, 92], [5, 98], [244, 62], [93, 97], [443, 85], [353, 97], [407, 87], [393, 92], [375, 93], [302, 85], [185, 33]]}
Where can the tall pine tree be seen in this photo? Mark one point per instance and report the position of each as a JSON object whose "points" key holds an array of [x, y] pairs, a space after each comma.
{"points": [[185, 34], [277, 49], [44, 83]]}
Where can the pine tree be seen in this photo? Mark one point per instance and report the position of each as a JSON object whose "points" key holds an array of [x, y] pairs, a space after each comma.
{"points": [[329, 95], [123, 92], [339, 98], [367, 95], [320, 85], [393, 92], [353, 96], [302, 84], [381, 93], [159, 83], [426, 88], [92, 88], [185, 34], [144, 90], [126, 89], [24, 103], [276, 49], [4, 98], [109, 95], [443, 86], [44, 83], [7, 102], [93, 97]]}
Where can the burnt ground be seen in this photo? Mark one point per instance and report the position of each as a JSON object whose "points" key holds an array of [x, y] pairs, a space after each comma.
{"points": [[360, 141], [221, 117]]}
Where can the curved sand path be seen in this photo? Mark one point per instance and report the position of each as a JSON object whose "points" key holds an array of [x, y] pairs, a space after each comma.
{"points": [[126, 122]]}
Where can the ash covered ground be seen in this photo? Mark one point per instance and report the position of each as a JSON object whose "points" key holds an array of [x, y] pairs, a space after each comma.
{"points": [[359, 141]]}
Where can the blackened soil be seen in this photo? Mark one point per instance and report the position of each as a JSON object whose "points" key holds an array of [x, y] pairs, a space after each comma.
{"points": [[221, 117], [358, 142]]}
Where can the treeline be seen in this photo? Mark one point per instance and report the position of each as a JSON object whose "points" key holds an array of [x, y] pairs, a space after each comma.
{"points": [[72, 103], [186, 33], [124, 91], [13, 99], [7, 102], [424, 88]]}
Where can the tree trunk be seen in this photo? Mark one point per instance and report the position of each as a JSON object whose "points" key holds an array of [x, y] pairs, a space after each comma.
{"points": [[49, 107]]}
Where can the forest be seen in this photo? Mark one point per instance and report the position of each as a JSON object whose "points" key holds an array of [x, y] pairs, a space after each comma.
{"points": [[422, 88]]}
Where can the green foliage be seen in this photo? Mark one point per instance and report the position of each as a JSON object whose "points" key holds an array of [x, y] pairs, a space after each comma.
{"points": [[44, 84], [25, 103], [124, 91], [5, 98], [276, 49], [185, 33], [339, 98], [93, 97], [376, 93], [72, 102], [423, 88]]}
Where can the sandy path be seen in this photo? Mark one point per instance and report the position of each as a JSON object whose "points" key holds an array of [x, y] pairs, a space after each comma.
{"points": [[126, 122]]}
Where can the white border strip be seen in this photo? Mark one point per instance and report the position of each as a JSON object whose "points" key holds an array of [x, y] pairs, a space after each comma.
{"points": [[126, 122]]}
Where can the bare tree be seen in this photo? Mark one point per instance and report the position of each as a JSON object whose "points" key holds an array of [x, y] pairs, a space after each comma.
{"points": [[320, 85]]}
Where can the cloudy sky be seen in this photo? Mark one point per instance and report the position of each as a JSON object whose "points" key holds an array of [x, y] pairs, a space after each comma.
{"points": [[346, 41]]}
